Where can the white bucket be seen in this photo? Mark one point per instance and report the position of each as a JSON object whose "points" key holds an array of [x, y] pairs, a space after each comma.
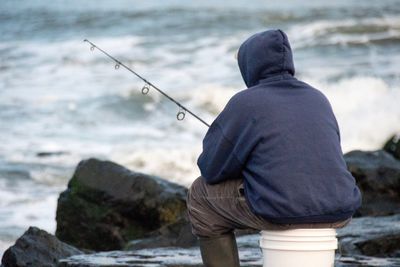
{"points": [[299, 247]]}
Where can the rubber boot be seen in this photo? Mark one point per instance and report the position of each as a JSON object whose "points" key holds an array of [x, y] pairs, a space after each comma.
{"points": [[219, 251]]}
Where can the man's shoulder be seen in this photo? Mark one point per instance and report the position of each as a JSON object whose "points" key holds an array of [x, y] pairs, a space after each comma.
{"points": [[315, 91], [241, 103], [250, 96], [243, 99], [248, 93]]}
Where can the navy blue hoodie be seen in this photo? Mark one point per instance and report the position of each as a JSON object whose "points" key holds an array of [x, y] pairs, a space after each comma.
{"points": [[281, 137]]}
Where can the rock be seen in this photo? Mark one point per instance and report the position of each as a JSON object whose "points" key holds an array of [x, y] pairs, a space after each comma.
{"points": [[37, 248], [371, 236], [50, 154], [164, 257], [365, 261], [378, 176], [106, 205], [178, 234], [392, 146]]}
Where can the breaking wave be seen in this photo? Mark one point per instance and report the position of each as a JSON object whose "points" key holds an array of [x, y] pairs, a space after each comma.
{"points": [[361, 31]]}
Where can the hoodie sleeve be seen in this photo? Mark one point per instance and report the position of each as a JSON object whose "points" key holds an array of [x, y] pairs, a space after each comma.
{"points": [[227, 144]]}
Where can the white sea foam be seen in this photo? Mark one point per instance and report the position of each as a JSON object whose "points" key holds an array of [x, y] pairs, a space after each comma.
{"points": [[35, 200], [175, 164], [23, 204], [209, 97], [367, 110], [345, 31]]}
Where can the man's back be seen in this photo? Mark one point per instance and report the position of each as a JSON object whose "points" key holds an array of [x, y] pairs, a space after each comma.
{"points": [[280, 135]]}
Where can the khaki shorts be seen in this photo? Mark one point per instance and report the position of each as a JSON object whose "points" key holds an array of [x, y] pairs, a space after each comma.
{"points": [[218, 209]]}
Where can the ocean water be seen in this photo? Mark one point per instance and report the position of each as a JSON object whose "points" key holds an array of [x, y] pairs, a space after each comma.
{"points": [[61, 102]]}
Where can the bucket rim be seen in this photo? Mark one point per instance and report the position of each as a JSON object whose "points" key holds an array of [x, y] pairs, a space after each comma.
{"points": [[331, 232]]}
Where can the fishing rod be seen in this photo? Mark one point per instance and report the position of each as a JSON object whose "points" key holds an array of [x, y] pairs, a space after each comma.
{"points": [[146, 88]]}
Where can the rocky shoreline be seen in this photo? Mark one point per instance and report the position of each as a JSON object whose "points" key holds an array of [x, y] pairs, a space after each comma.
{"points": [[111, 216]]}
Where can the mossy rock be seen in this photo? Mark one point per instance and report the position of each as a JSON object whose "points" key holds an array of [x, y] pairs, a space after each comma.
{"points": [[107, 205]]}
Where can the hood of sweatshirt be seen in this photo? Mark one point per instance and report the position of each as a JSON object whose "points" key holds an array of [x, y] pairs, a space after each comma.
{"points": [[263, 55]]}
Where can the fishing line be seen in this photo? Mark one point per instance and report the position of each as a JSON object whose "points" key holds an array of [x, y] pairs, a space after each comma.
{"points": [[146, 88]]}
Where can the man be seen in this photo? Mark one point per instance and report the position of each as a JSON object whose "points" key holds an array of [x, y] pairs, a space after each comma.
{"points": [[272, 159]]}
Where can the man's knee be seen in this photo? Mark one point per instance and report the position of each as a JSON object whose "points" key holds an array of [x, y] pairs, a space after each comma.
{"points": [[198, 210], [196, 189], [193, 194]]}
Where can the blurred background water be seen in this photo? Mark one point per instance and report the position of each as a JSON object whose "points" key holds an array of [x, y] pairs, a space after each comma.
{"points": [[60, 102]]}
